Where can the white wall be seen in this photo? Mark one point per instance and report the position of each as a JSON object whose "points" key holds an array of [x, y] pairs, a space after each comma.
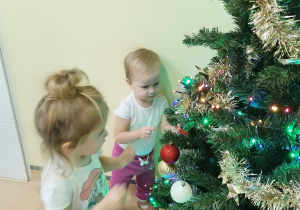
{"points": [[95, 35]]}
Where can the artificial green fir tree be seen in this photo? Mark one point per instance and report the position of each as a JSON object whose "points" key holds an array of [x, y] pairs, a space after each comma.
{"points": [[239, 116]]}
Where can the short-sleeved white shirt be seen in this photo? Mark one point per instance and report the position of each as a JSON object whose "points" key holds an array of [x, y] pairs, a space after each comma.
{"points": [[139, 117], [84, 188]]}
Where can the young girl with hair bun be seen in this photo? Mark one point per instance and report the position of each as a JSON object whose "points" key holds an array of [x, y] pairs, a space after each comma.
{"points": [[71, 120]]}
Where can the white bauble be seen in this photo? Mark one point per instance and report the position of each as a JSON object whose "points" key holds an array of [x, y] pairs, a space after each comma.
{"points": [[181, 191]]}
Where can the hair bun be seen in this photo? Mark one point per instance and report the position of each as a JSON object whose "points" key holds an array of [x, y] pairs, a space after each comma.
{"points": [[64, 83]]}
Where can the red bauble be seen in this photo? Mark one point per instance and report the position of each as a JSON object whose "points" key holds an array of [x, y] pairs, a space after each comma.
{"points": [[169, 153]]}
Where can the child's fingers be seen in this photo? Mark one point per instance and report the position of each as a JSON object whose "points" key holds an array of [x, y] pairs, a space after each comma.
{"points": [[146, 132], [131, 152], [129, 147], [152, 128], [127, 156]]}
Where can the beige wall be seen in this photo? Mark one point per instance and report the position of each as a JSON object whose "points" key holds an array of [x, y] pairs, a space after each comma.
{"points": [[41, 36]]}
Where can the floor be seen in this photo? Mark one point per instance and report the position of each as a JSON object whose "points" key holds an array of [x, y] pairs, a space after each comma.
{"points": [[16, 195]]}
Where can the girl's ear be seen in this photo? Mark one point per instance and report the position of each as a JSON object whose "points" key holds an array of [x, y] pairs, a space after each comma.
{"points": [[129, 82], [67, 147]]}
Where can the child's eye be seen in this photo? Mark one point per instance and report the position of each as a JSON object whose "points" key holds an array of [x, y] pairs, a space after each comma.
{"points": [[156, 84], [145, 87]]}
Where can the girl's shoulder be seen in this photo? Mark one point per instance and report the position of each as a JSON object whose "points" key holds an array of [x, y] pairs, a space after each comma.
{"points": [[55, 171], [55, 190]]}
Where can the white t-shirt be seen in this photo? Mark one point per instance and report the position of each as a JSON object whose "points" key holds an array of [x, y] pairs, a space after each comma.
{"points": [[139, 117], [84, 188]]}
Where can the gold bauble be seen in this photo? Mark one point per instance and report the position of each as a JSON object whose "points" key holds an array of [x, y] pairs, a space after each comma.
{"points": [[165, 168]]}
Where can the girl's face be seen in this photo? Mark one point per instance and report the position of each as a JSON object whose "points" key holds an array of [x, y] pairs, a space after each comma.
{"points": [[93, 142], [145, 86]]}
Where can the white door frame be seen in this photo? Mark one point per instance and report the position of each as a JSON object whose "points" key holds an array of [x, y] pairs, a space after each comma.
{"points": [[13, 161]]}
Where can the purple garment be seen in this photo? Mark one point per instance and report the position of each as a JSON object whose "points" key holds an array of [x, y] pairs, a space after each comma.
{"points": [[144, 174]]}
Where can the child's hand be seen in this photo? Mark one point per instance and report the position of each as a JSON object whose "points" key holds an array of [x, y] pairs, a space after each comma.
{"points": [[114, 199], [145, 132], [126, 156]]}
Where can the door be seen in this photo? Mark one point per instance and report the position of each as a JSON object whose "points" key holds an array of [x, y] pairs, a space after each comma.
{"points": [[12, 160]]}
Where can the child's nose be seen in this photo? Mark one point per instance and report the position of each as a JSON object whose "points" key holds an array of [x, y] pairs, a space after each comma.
{"points": [[152, 90]]}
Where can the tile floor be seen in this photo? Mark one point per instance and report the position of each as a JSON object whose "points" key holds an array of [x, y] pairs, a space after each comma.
{"points": [[18, 195]]}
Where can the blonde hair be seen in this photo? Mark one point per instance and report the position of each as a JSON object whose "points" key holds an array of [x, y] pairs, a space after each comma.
{"points": [[140, 61], [68, 112]]}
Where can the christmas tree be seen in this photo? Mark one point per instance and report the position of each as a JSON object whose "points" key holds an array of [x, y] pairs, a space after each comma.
{"points": [[237, 144]]}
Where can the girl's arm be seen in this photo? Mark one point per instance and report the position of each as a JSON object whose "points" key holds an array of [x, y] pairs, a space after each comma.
{"points": [[123, 136], [164, 123], [121, 133], [111, 163]]}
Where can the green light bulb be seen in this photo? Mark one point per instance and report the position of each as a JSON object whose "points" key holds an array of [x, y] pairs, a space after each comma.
{"points": [[187, 81], [289, 129], [205, 121]]}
